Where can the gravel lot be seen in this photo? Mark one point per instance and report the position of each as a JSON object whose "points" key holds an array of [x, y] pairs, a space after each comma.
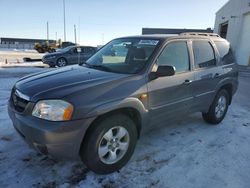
{"points": [[187, 154]]}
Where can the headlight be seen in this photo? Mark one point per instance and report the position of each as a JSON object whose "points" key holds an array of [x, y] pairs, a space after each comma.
{"points": [[53, 110], [50, 57]]}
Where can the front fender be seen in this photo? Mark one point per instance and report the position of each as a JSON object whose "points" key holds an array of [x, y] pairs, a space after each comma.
{"points": [[131, 102]]}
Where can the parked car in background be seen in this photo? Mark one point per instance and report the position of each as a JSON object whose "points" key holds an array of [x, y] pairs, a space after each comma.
{"points": [[69, 56], [96, 111]]}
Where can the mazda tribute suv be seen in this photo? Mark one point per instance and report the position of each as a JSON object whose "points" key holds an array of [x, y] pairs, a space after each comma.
{"points": [[96, 111]]}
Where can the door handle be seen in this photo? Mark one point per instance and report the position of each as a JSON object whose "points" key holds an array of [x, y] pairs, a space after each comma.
{"points": [[187, 82]]}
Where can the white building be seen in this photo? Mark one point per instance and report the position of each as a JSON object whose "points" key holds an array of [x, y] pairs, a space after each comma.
{"points": [[233, 23]]}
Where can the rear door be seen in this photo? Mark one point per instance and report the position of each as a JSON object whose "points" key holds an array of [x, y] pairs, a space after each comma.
{"points": [[171, 97], [87, 52], [207, 73]]}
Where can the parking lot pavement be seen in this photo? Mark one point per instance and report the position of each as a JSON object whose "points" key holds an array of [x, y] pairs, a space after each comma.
{"points": [[190, 153]]}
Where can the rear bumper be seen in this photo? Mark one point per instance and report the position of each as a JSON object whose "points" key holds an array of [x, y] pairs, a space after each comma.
{"points": [[61, 140]]}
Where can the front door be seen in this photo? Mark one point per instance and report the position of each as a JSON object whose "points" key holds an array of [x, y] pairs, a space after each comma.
{"points": [[74, 56], [171, 97]]}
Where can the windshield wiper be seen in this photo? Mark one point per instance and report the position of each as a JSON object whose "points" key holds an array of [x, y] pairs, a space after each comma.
{"points": [[100, 67]]}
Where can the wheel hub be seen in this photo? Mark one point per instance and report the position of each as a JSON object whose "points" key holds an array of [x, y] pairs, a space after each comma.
{"points": [[220, 107], [113, 145]]}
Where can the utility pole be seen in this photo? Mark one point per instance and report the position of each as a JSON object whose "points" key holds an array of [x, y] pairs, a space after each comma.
{"points": [[47, 31], [75, 33], [64, 20]]}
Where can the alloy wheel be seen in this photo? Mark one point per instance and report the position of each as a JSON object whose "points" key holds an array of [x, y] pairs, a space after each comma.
{"points": [[113, 145]]}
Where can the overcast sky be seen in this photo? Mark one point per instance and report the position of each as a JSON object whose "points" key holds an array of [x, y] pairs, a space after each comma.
{"points": [[102, 20]]}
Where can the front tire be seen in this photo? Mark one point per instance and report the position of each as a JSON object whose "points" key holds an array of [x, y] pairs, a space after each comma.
{"points": [[218, 109], [110, 144], [61, 62]]}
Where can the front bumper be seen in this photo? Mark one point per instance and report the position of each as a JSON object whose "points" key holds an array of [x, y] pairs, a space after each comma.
{"points": [[61, 140], [50, 62]]}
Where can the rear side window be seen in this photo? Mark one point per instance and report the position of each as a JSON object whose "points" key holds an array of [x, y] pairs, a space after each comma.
{"points": [[86, 50], [225, 52], [203, 54], [175, 54]]}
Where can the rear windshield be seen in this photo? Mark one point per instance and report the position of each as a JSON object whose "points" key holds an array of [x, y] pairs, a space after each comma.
{"points": [[225, 52]]}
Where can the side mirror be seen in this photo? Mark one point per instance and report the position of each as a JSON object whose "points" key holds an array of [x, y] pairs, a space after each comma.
{"points": [[162, 71]]}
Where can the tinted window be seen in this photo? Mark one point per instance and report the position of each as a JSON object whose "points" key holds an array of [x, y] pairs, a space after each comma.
{"points": [[74, 50], [225, 52], [203, 54], [175, 54], [88, 50]]}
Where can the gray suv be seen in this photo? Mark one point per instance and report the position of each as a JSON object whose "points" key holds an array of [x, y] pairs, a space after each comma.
{"points": [[69, 56], [96, 111]]}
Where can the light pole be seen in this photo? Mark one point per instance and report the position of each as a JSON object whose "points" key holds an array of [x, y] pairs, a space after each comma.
{"points": [[64, 22]]}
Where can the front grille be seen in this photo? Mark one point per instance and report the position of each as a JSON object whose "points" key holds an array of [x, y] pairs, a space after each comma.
{"points": [[18, 102]]}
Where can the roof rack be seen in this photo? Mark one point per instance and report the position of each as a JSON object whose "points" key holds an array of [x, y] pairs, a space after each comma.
{"points": [[201, 34]]}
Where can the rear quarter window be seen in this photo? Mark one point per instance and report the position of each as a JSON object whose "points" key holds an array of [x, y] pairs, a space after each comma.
{"points": [[225, 52], [88, 50]]}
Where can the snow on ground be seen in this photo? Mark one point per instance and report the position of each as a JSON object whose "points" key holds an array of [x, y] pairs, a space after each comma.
{"points": [[17, 50], [187, 154], [15, 56], [22, 64]]}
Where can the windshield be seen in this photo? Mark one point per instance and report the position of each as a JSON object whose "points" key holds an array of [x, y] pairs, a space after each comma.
{"points": [[128, 56]]}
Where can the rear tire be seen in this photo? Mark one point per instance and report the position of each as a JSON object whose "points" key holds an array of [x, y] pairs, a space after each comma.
{"points": [[109, 144], [218, 109]]}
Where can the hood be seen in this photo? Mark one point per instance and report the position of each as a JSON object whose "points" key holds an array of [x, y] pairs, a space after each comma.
{"points": [[63, 81], [53, 54]]}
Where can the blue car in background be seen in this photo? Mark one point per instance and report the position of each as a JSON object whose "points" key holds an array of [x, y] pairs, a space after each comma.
{"points": [[69, 55]]}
